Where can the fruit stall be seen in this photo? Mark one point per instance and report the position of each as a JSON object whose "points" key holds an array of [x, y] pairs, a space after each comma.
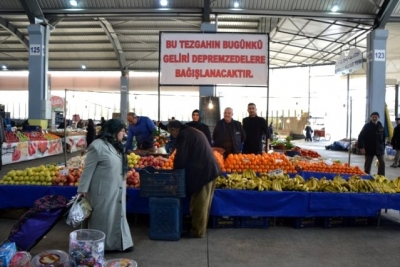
{"points": [[76, 140], [22, 146]]}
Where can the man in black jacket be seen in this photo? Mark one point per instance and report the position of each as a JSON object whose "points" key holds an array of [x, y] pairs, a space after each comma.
{"points": [[371, 142], [229, 134], [255, 127], [395, 142], [194, 154]]}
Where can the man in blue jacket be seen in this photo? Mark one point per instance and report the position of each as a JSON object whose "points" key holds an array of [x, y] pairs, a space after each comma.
{"points": [[142, 128]]}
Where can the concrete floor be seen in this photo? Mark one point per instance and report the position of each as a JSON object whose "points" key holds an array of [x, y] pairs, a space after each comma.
{"points": [[275, 246]]}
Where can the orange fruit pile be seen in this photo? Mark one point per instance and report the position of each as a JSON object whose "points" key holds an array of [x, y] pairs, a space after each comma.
{"points": [[336, 167], [258, 163], [220, 159], [169, 164]]}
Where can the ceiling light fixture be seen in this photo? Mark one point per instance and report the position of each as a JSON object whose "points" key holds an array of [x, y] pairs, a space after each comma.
{"points": [[236, 4], [73, 3], [335, 8], [4, 67], [210, 104], [163, 2], [84, 67]]}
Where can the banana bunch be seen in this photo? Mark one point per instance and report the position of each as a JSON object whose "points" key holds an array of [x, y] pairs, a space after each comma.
{"points": [[295, 184], [382, 184], [276, 185], [338, 179], [248, 173], [313, 184]]}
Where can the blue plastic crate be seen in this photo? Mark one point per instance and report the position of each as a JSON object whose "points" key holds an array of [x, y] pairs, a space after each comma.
{"points": [[162, 183], [332, 222], [224, 222], [305, 222], [361, 221], [253, 222], [165, 218]]}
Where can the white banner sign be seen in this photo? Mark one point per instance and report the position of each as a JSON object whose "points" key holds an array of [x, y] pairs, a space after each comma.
{"points": [[350, 63], [204, 58]]}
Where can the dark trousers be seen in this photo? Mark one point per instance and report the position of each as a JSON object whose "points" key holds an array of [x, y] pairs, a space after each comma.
{"points": [[368, 164]]}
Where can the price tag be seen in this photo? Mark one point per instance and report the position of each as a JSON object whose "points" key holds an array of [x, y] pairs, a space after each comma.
{"points": [[379, 55], [329, 162], [64, 171], [35, 50]]}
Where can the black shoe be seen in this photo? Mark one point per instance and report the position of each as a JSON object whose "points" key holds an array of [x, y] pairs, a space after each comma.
{"points": [[130, 249]]}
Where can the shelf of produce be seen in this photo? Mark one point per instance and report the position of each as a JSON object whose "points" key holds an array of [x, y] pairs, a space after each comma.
{"points": [[234, 202], [13, 152]]}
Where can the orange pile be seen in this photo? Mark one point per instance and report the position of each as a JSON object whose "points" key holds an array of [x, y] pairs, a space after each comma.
{"points": [[258, 163], [336, 167], [220, 159], [169, 164]]}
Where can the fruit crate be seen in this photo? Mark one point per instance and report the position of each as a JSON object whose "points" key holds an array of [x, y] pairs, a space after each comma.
{"points": [[361, 221], [224, 222], [253, 222], [165, 218], [162, 183], [305, 222], [333, 222]]}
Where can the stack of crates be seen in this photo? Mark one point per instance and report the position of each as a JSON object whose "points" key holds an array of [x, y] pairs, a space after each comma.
{"points": [[165, 190]]}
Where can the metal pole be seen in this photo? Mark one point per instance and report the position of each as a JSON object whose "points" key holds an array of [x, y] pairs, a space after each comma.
{"points": [[65, 128], [348, 109], [351, 122], [159, 77], [309, 91], [268, 77], [396, 100]]}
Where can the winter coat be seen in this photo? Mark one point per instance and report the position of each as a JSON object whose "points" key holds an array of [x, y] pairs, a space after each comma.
{"points": [[237, 133], [202, 128], [104, 182], [395, 142], [195, 155], [90, 135], [372, 139]]}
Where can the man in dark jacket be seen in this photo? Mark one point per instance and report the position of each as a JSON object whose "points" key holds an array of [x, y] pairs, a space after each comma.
{"points": [[199, 125], [229, 134], [255, 127], [371, 142], [194, 154], [395, 142]]}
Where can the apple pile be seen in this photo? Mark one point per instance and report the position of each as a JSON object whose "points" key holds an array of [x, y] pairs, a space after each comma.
{"points": [[11, 137], [133, 160], [133, 179], [41, 175], [35, 136], [68, 176], [156, 162]]}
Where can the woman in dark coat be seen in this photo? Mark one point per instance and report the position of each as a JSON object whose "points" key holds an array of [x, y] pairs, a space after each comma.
{"points": [[395, 142], [91, 133], [197, 124]]}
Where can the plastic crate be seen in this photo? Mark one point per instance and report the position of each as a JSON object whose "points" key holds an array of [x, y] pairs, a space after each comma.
{"points": [[162, 183], [361, 221], [253, 222], [305, 222], [332, 222], [165, 218], [224, 222]]}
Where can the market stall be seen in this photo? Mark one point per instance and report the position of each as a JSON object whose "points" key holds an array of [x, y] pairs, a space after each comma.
{"points": [[76, 140]]}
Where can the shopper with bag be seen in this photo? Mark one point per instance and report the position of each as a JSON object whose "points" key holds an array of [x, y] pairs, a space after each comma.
{"points": [[103, 183]]}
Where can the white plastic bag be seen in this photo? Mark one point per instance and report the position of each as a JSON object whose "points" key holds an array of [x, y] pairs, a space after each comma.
{"points": [[76, 214]]}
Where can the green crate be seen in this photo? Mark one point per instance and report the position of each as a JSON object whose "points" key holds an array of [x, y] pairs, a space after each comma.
{"points": [[162, 183]]}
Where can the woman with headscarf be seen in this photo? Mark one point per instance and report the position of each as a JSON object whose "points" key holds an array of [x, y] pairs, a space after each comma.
{"points": [[103, 183], [197, 124]]}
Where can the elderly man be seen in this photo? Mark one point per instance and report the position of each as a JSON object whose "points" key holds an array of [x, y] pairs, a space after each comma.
{"points": [[141, 128], [371, 142], [255, 127], [194, 154], [229, 134]]}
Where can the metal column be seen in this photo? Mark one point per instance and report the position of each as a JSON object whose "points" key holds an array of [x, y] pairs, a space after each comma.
{"points": [[124, 96]]}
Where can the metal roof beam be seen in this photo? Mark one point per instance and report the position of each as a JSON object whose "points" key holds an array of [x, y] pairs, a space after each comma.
{"points": [[55, 21], [14, 31], [384, 13], [302, 47], [112, 36], [293, 13], [33, 11], [206, 11]]}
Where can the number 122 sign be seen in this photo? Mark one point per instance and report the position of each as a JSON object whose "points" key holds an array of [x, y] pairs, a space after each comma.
{"points": [[35, 50]]}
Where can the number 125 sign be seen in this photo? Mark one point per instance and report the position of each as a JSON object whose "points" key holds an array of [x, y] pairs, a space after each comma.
{"points": [[35, 50]]}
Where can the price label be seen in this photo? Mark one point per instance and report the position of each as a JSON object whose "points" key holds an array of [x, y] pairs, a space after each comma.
{"points": [[35, 50], [64, 171], [379, 55]]}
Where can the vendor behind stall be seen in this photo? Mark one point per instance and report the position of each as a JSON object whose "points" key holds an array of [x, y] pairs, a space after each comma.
{"points": [[141, 128]]}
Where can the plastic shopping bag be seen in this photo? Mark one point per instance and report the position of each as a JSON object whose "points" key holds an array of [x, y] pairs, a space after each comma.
{"points": [[79, 211]]}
